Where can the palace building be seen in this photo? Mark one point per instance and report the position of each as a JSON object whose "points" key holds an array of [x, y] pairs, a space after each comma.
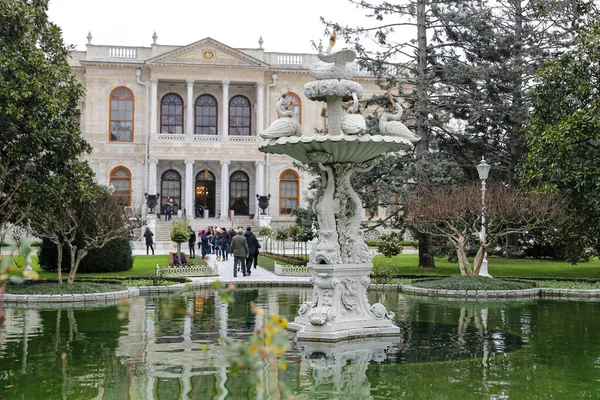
{"points": [[184, 121]]}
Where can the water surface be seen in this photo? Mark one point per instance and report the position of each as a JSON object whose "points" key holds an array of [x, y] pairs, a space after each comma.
{"points": [[170, 348]]}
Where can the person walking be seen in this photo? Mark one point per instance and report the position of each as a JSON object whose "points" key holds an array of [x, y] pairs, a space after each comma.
{"points": [[253, 247], [131, 237], [239, 249], [148, 235], [216, 243], [204, 245], [168, 209], [224, 245], [192, 243]]}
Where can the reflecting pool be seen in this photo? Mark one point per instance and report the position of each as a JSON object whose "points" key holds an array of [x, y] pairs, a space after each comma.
{"points": [[169, 347]]}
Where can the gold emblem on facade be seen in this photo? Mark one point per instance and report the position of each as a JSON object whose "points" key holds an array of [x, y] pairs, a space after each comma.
{"points": [[208, 55]]}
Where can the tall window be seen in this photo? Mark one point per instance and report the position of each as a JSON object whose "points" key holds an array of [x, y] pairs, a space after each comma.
{"points": [[239, 116], [170, 185], [171, 114], [120, 179], [206, 115], [293, 103], [289, 189], [239, 195], [121, 115]]}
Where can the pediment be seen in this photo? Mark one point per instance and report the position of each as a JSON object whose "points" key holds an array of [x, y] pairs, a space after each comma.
{"points": [[207, 52]]}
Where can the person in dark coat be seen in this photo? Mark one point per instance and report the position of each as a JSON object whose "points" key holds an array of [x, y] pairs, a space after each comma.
{"points": [[224, 245], [192, 243], [148, 235], [204, 244], [253, 246]]}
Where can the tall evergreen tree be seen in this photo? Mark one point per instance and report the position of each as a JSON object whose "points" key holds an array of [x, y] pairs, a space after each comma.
{"points": [[39, 128]]}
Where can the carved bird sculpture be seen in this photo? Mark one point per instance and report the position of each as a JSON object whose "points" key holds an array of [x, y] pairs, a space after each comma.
{"points": [[353, 123], [286, 125], [388, 124]]}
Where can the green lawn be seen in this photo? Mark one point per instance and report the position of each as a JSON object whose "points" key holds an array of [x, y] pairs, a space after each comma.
{"points": [[403, 264], [406, 264]]}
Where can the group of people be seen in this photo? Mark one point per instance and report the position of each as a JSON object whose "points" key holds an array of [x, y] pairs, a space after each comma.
{"points": [[244, 246], [222, 242]]}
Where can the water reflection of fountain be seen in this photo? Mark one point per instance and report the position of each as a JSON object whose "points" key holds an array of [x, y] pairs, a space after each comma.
{"points": [[342, 367]]}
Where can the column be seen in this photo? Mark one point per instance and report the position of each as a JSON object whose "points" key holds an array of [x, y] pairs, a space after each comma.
{"points": [[224, 189], [153, 106], [189, 121], [225, 111], [189, 188], [152, 177], [259, 184], [260, 99]]}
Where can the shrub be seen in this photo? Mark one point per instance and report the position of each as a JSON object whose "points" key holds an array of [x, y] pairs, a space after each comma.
{"points": [[389, 245], [472, 283], [113, 257]]}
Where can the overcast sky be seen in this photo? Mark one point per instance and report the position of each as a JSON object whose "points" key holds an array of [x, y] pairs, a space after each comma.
{"points": [[285, 26]]}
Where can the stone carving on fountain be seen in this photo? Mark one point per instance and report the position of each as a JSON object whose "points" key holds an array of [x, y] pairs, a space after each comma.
{"points": [[340, 261]]}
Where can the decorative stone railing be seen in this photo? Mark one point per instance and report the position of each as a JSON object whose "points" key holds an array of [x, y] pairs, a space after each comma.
{"points": [[291, 270], [171, 136], [207, 138], [181, 137], [243, 139], [122, 52], [289, 59], [186, 270]]}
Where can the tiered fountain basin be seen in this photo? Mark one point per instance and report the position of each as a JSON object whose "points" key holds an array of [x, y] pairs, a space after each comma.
{"points": [[342, 148]]}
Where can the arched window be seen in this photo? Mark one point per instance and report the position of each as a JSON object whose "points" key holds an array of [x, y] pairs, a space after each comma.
{"points": [[170, 185], [206, 115], [293, 103], [120, 179], [289, 189], [171, 114], [239, 185], [239, 116], [121, 115]]}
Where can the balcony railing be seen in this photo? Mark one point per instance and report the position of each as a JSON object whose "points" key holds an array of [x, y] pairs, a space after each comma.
{"points": [[179, 137], [122, 52]]}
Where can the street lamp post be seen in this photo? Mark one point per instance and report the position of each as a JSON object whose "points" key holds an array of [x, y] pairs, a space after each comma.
{"points": [[483, 169]]}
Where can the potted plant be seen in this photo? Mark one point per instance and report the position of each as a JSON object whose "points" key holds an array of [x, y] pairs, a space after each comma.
{"points": [[180, 231]]}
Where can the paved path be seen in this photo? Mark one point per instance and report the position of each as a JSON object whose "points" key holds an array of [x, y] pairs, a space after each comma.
{"points": [[225, 269]]}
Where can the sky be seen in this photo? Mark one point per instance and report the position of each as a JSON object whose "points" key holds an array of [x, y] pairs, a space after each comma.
{"points": [[284, 26]]}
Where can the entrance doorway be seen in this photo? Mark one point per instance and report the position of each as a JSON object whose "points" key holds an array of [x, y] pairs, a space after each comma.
{"points": [[205, 192]]}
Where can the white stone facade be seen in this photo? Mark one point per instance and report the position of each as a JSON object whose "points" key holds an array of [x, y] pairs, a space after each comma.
{"points": [[205, 67]]}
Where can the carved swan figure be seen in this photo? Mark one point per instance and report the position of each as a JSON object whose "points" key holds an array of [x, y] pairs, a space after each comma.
{"points": [[286, 125], [388, 124], [353, 123]]}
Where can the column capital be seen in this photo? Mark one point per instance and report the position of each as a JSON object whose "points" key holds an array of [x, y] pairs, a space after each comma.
{"points": [[153, 161], [189, 162], [154, 81], [260, 84], [189, 81], [225, 162], [225, 83], [259, 163]]}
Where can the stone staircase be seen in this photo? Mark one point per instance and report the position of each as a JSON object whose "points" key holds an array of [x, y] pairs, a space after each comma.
{"points": [[162, 234]]}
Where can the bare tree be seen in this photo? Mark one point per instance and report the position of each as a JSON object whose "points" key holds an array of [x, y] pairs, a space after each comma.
{"points": [[454, 213], [100, 220]]}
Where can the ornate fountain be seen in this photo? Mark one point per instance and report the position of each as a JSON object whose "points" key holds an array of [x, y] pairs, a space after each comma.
{"points": [[341, 262]]}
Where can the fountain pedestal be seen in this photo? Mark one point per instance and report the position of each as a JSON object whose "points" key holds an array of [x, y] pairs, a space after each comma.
{"points": [[339, 308], [340, 261]]}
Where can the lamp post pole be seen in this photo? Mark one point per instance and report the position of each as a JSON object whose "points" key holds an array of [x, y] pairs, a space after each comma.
{"points": [[483, 170]]}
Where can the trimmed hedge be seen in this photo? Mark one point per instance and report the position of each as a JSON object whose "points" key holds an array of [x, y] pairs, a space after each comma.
{"points": [[472, 283], [113, 257]]}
